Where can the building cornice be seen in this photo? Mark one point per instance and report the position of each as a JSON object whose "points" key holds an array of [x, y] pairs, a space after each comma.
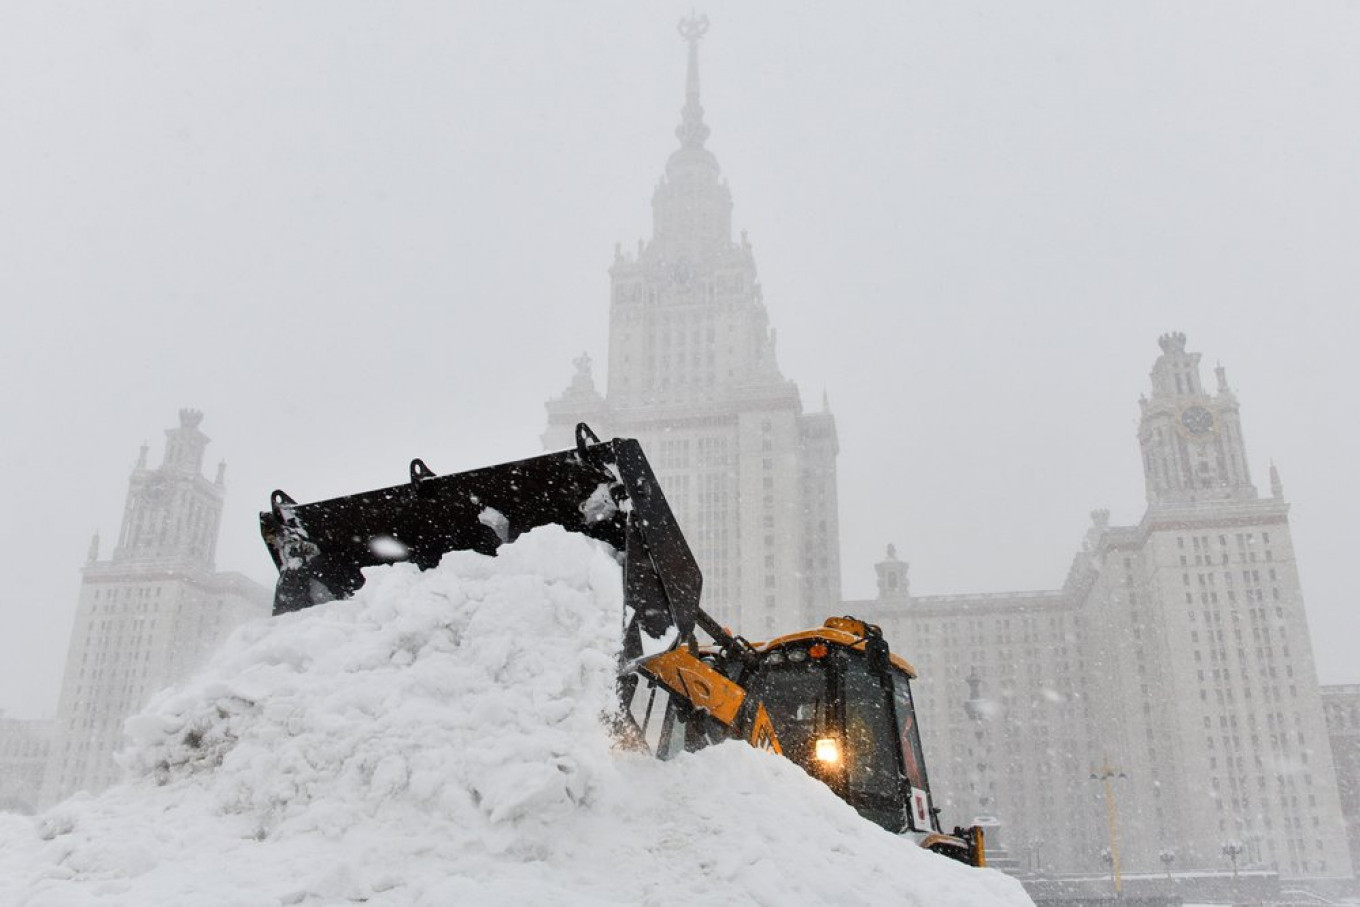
{"points": [[965, 604], [148, 572], [1201, 514]]}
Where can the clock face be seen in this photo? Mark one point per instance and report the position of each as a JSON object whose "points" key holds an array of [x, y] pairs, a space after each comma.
{"points": [[681, 272], [155, 490], [1197, 420]]}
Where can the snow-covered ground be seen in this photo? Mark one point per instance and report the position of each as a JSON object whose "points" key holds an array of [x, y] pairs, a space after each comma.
{"points": [[438, 740]]}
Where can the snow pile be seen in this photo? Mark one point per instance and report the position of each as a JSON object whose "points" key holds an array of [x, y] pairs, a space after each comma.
{"points": [[439, 740]]}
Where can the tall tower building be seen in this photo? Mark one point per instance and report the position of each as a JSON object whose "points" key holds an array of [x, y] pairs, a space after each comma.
{"points": [[693, 375], [149, 614], [1203, 623], [1177, 649]]}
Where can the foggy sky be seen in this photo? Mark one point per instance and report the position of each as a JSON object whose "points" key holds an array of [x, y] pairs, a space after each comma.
{"points": [[357, 233]]}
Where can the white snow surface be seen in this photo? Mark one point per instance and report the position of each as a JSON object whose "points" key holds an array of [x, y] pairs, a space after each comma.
{"points": [[437, 740]]}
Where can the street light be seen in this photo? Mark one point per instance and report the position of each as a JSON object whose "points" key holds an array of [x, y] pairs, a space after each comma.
{"points": [[1232, 850], [1167, 857], [1033, 844], [1111, 854]]}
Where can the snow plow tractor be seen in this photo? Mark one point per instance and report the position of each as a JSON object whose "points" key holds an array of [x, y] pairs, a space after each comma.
{"points": [[833, 699]]}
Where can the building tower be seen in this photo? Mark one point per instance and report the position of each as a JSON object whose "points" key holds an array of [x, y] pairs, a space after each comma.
{"points": [[172, 513], [693, 375], [150, 614], [1191, 440], [1177, 648], [1202, 623]]}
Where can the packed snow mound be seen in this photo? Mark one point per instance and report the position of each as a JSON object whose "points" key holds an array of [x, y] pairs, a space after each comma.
{"points": [[439, 739]]}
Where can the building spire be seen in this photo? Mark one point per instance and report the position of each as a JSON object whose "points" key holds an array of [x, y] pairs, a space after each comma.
{"points": [[692, 132]]}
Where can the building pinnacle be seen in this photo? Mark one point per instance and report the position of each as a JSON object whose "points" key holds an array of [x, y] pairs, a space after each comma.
{"points": [[692, 132]]}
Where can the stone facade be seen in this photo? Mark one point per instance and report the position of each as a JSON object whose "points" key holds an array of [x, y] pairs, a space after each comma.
{"points": [[149, 614], [1005, 720], [24, 745], [1341, 706], [1177, 649], [693, 376]]}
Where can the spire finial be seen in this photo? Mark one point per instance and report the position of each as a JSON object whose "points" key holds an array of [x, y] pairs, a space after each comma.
{"points": [[1172, 343], [692, 132]]}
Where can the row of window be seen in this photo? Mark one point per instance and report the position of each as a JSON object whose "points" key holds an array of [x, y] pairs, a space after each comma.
{"points": [[1244, 540]]}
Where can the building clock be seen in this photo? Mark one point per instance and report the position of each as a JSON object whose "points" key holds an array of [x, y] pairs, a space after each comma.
{"points": [[681, 272], [1197, 421], [156, 489]]}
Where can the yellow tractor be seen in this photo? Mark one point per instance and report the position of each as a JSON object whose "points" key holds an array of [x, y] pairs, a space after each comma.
{"points": [[834, 699]]}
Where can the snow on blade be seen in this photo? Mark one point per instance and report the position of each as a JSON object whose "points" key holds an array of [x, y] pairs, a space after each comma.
{"points": [[436, 740], [600, 506], [496, 521]]}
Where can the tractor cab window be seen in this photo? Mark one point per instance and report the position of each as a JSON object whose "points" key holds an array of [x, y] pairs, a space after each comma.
{"points": [[871, 743], [910, 738], [913, 762], [796, 694]]}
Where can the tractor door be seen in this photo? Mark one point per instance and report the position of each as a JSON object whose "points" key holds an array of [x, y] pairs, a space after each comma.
{"points": [[798, 694], [919, 808], [874, 776], [885, 770]]}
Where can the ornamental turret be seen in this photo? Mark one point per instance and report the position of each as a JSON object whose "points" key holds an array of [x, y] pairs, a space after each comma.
{"points": [[173, 513], [892, 576], [1191, 440]]}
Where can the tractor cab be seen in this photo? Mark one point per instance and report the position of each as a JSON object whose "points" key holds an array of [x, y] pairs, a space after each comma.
{"points": [[841, 704]]}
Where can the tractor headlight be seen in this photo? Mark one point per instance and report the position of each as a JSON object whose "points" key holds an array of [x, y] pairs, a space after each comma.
{"points": [[828, 750]]}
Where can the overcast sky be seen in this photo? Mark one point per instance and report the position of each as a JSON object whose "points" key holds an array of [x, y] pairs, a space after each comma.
{"points": [[357, 233]]}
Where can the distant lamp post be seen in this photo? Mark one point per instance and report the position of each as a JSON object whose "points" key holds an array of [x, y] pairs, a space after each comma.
{"points": [[1106, 776], [1232, 850], [1167, 857], [1034, 844]]}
